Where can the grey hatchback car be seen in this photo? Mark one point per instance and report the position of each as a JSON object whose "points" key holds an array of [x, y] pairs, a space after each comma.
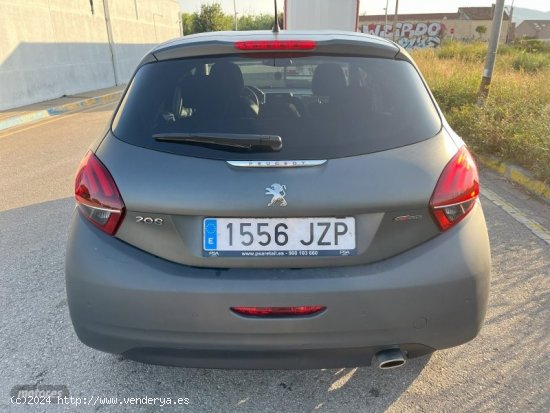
{"points": [[277, 200]]}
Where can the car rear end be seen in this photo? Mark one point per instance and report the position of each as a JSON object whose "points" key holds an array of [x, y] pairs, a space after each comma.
{"points": [[277, 201]]}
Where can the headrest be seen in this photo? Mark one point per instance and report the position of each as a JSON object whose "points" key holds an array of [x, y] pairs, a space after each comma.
{"points": [[328, 80], [226, 77]]}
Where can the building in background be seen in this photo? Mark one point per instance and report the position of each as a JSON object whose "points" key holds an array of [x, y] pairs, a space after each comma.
{"points": [[53, 48], [428, 30], [535, 29]]}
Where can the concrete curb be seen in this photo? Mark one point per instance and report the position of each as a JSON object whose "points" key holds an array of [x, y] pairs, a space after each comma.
{"points": [[58, 110], [517, 175]]}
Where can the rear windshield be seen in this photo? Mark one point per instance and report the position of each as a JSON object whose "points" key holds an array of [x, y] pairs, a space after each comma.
{"points": [[322, 107]]}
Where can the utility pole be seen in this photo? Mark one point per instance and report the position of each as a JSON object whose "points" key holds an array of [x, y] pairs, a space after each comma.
{"points": [[394, 28], [491, 53]]}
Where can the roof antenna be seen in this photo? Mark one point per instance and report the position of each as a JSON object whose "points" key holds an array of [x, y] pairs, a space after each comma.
{"points": [[276, 25]]}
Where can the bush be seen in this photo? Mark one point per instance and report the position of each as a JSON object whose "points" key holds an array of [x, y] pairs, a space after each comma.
{"points": [[532, 45], [530, 62], [469, 52]]}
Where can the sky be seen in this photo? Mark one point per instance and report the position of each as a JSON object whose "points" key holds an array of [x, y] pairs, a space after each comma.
{"points": [[367, 6]]}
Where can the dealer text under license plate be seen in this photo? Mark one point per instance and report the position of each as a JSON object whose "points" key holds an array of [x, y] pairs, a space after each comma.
{"points": [[278, 237]]}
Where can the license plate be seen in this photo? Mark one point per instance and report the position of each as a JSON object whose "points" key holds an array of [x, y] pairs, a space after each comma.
{"points": [[278, 237]]}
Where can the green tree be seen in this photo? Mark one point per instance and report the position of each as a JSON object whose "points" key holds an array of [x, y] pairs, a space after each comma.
{"points": [[187, 23], [481, 30], [211, 18]]}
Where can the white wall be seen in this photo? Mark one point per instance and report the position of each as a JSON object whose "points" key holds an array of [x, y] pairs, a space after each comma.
{"points": [[51, 48]]}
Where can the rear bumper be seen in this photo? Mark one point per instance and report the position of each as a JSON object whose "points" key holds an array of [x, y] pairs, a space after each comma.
{"points": [[123, 300]]}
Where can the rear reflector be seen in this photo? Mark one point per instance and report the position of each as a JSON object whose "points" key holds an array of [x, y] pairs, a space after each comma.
{"points": [[97, 195], [456, 191], [274, 45], [278, 311]]}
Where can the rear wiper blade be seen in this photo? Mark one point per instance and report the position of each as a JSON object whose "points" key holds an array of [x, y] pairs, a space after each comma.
{"points": [[229, 140]]}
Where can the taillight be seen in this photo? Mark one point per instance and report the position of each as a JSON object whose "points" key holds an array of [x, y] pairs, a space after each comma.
{"points": [[275, 45], [278, 311], [456, 191], [97, 195]]}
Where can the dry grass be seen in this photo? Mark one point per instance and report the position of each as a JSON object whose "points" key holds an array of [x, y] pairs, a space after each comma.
{"points": [[514, 124]]}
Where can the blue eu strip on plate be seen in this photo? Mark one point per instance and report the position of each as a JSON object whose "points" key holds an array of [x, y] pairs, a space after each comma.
{"points": [[210, 234]]}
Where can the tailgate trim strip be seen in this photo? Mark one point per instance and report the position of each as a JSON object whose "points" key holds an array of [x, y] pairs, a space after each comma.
{"points": [[277, 164]]}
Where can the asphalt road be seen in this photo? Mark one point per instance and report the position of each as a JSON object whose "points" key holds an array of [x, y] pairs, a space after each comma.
{"points": [[506, 368]]}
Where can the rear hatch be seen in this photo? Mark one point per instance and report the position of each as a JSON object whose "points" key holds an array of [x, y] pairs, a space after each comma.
{"points": [[273, 159]]}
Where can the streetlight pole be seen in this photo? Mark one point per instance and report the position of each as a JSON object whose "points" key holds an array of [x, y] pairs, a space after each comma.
{"points": [[491, 53], [394, 28], [386, 19], [109, 29], [235, 10]]}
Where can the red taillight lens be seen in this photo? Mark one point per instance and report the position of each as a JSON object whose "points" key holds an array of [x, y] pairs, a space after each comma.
{"points": [[274, 45], [97, 195], [278, 311], [456, 191]]}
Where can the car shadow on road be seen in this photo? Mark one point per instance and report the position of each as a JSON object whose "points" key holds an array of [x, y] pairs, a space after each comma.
{"points": [[345, 389]]}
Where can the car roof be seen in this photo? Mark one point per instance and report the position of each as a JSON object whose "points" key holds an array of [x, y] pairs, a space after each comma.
{"points": [[327, 42]]}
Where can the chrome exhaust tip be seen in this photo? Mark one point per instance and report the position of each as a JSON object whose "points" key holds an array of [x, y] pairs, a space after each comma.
{"points": [[390, 358]]}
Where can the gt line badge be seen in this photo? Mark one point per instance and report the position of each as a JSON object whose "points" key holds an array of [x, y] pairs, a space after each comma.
{"points": [[277, 192]]}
